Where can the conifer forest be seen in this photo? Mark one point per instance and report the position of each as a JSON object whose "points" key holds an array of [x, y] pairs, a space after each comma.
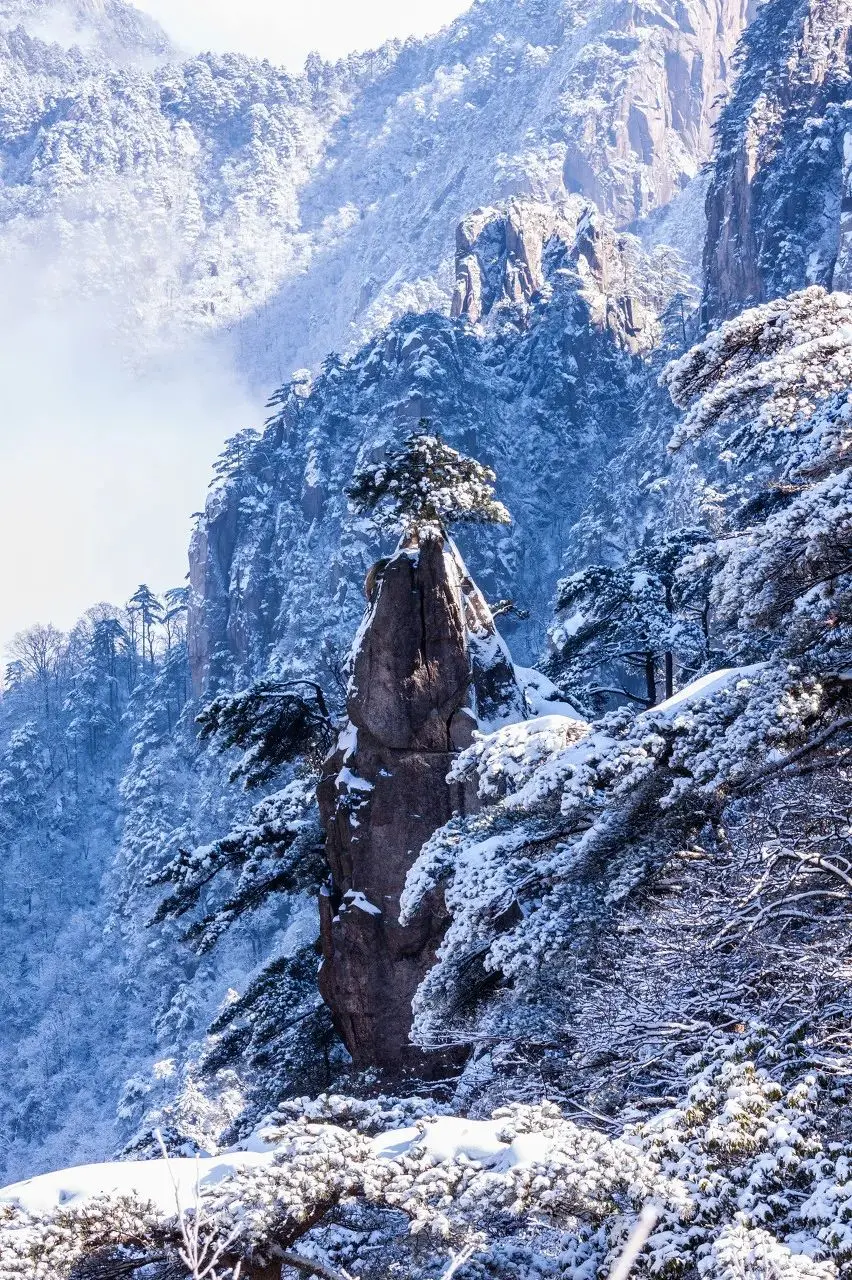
{"points": [[451, 876]]}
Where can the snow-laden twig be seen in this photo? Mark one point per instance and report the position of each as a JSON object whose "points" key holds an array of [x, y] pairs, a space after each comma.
{"points": [[201, 1253], [313, 1268], [458, 1260]]}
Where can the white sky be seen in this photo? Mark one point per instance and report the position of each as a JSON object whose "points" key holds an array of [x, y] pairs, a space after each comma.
{"points": [[287, 30], [99, 472]]}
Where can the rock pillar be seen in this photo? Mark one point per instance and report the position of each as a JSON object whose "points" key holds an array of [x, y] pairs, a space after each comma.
{"points": [[426, 661]]}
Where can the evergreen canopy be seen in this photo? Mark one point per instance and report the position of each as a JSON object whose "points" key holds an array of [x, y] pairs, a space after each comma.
{"points": [[273, 723], [425, 485]]}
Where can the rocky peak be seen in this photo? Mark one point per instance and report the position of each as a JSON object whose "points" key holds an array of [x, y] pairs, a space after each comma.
{"points": [[427, 667], [780, 199], [506, 257]]}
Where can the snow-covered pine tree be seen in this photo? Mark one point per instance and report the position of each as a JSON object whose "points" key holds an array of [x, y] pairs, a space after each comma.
{"points": [[236, 453], [277, 1034], [149, 609], [425, 486], [272, 723], [634, 623], [768, 392]]}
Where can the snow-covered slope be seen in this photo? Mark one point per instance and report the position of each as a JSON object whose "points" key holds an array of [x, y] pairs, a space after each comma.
{"points": [[298, 214], [113, 29]]}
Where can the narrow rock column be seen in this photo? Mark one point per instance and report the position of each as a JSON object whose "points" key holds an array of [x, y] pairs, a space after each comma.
{"points": [[417, 665]]}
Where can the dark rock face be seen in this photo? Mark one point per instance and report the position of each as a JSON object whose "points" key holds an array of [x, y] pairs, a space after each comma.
{"points": [[426, 658], [210, 553], [778, 205]]}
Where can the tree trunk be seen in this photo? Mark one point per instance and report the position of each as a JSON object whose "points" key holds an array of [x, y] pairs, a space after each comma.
{"points": [[651, 679], [669, 675]]}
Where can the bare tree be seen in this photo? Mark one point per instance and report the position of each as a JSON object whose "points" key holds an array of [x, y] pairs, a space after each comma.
{"points": [[202, 1249], [38, 652]]}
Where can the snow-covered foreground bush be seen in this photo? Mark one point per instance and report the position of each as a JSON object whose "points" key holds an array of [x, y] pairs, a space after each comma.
{"points": [[766, 371], [748, 1172], [534, 880], [769, 391]]}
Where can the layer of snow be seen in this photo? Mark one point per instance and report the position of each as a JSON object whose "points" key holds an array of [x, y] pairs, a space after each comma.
{"points": [[354, 898], [346, 778], [163, 1183], [156, 1181], [706, 686], [541, 696], [444, 1139], [449, 1137], [347, 741]]}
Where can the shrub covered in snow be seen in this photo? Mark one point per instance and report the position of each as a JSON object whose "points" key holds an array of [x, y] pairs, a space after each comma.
{"points": [[741, 1170]]}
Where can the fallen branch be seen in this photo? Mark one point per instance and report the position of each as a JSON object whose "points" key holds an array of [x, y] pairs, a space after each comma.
{"points": [[457, 1261], [779, 766], [116, 1269], [636, 1243]]}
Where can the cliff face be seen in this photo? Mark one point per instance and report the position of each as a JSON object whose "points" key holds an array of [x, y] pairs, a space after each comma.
{"points": [[506, 257], [427, 664], [647, 94], [779, 203]]}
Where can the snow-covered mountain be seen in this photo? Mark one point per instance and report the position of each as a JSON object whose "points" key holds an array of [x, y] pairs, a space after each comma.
{"points": [[566, 309], [111, 29], [294, 215], [642, 898], [285, 217], [779, 202]]}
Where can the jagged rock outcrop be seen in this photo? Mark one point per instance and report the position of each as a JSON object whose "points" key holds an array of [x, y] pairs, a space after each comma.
{"points": [[504, 258], [780, 200], [427, 667]]}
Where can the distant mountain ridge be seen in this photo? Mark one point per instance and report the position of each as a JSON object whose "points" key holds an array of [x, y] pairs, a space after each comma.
{"points": [[113, 28], [286, 216]]}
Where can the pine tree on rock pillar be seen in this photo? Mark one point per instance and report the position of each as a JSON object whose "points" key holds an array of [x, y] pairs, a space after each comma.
{"points": [[427, 666]]}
